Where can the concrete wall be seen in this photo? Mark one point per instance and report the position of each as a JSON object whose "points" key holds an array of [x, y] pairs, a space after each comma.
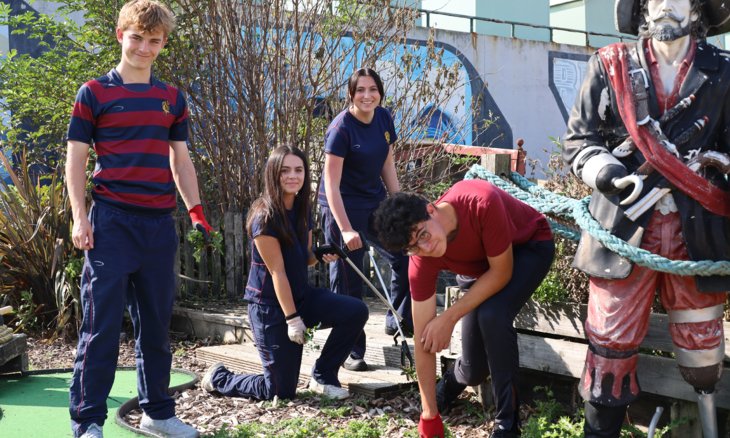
{"points": [[531, 84]]}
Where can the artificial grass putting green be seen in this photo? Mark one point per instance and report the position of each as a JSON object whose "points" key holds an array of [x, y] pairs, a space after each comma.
{"points": [[36, 405]]}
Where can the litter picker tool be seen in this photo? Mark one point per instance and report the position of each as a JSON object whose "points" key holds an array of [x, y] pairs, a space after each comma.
{"points": [[406, 359]]}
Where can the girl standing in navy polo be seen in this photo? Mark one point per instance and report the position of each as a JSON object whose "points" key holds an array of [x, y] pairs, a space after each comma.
{"points": [[358, 169], [282, 304]]}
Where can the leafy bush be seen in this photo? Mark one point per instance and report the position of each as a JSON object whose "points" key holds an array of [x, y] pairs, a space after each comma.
{"points": [[34, 242], [550, 420], [563, 282]]}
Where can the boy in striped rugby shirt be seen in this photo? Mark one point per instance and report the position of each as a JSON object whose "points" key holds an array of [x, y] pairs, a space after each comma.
{"points": [[138, 128]]}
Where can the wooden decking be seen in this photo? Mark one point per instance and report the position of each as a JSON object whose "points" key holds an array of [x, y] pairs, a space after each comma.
{"points": [[383, 357]]}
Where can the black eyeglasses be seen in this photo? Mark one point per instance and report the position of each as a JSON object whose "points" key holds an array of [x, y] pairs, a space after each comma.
{"points": [[422, 237]]}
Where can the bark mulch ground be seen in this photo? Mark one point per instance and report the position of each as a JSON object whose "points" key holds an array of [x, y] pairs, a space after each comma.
{"points": [[211, 412]]}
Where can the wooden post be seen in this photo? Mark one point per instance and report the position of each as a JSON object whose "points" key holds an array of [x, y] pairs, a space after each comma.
{"points": [[498, 164], [239, 252], [203, 287], [215, 263], [693, 426], [176, 267], [187, 259], [229, 238]]}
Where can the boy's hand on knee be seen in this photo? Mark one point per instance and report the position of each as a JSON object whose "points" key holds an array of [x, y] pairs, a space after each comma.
{"points": [[296, 330], [431, 428]]}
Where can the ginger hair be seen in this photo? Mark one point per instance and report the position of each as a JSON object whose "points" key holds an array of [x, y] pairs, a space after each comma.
{"points": [[147, 16]]}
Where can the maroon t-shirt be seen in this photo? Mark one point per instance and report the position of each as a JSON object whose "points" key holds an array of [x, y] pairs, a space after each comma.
{"points": [[489, 220]]}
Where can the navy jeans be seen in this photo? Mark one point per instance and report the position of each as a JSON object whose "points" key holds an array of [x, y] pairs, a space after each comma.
{"points": [[132, 266], [282, 358], [345, 281], [488, 336]]}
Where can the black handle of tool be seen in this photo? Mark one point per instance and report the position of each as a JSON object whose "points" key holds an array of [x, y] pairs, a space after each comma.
{"points": [[406, 359], [328, 249]]}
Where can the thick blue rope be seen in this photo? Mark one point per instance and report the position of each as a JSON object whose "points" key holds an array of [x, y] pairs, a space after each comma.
{"points": [[548, 202]]}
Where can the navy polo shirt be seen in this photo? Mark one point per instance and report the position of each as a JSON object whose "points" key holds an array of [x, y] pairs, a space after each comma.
{"points": [[260, 287], [364, 147]]}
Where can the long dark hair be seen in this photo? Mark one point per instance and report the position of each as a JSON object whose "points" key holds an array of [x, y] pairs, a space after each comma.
{"points": [[269, 207], [352, 83]]}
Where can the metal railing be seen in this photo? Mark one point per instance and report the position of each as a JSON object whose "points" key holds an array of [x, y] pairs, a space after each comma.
{"points": [[514, 24]]}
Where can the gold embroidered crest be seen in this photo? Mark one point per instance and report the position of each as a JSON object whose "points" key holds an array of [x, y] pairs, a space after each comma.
{"points": [[387, 137], [166, 107]]}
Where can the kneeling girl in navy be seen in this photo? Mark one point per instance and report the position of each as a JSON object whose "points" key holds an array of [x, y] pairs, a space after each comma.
{"points": [[282, 304]]}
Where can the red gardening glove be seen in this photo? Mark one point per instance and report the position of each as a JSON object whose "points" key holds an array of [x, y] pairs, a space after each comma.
{"points": [[433, 428], [199, 222]]}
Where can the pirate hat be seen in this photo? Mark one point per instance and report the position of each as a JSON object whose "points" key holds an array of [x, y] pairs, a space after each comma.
{"points": [[717, 15]]}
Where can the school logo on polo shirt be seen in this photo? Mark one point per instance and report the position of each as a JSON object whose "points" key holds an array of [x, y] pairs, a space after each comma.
{"points": [[387, 137], [166, 107]]}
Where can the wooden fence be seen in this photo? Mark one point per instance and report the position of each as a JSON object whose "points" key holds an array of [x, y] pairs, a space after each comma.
{"points": [[218, 275], [221, 276]]}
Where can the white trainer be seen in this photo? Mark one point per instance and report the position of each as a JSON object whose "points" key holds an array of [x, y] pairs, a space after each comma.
{"points": [[170, 428], [330, 391], [93, 431], [207, 381]]}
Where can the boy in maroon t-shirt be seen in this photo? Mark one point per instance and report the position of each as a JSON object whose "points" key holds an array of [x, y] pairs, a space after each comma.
{"points": [[482, 234]]}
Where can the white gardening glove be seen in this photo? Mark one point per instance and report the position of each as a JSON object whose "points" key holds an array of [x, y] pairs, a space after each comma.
{"points": [[296, 330]]}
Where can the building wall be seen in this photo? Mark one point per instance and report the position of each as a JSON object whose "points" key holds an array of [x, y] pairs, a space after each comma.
{"points": [[532, 85], [568, 14], [520, 11]]}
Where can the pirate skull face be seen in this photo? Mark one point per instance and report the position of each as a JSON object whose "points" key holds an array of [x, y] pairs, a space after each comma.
{"points": [[668, 20]]}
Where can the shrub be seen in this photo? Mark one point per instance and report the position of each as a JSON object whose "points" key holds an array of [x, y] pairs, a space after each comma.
{"points": [[34, 244], [563, 282]]}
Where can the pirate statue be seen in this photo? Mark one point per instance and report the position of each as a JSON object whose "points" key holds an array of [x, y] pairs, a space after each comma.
{"points": [[649, 133]]}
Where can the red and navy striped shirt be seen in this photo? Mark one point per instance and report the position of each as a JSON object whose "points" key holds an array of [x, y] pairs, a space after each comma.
{"points": [[130, 127]]}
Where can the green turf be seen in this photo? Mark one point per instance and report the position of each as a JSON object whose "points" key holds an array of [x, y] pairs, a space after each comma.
{"points": [[37, 405]]}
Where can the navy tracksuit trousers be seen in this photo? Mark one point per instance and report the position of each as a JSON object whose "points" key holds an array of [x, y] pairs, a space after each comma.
{"points": [[281, 358], [488, 335], [131, 266], [345, 281]]}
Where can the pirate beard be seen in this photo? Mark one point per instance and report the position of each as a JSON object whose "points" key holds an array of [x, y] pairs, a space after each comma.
{"points": [[666, 31]]}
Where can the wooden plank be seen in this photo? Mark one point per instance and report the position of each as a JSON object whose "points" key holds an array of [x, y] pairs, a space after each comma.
{"points": [[244, 357], [13, 354], [689, 413], [188, 261], [657, 375], [568, 319], [230, 259], [555, 319], [178, 263], [497, 164], [215, 260], [218, 318], [203, 286], [551, 355], [239, 240]]}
